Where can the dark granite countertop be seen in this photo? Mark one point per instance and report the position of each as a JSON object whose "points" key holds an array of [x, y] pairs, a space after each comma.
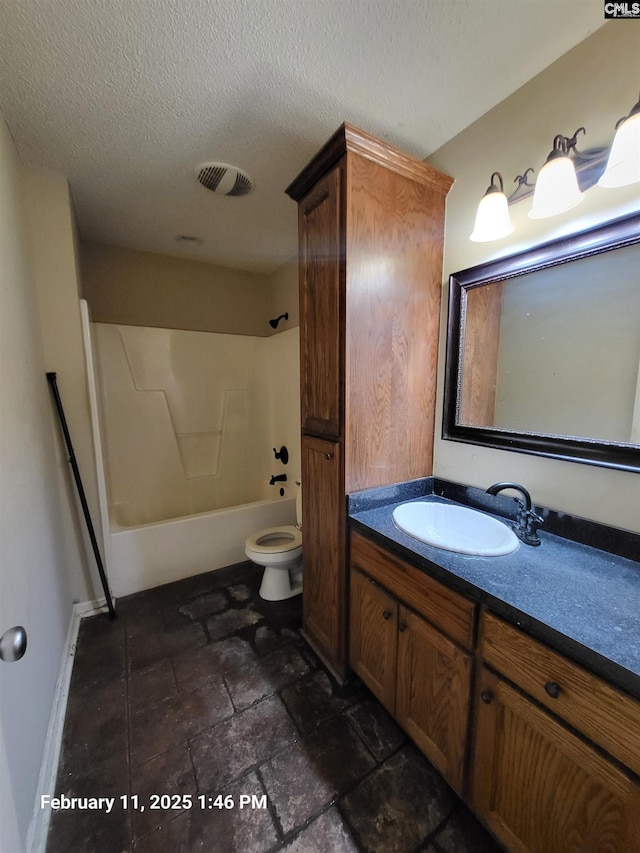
{"points": [[581, 600]]}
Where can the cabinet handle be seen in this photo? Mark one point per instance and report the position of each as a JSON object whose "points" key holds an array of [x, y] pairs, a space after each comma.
{"points": [[386, 614], [553, 689], [328, 455], [487, 696], [402, 626]]}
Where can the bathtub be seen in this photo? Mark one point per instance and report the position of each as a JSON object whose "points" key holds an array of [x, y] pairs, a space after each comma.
{"points": [[153, 554]]}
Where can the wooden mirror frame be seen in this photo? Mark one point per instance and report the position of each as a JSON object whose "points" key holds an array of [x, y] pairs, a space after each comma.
{"points": [[603, 238]]}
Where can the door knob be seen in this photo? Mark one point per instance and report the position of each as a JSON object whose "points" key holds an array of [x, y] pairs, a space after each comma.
{"points": [[13, 644]]}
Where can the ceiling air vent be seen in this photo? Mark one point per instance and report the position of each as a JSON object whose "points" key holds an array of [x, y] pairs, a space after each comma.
{"points": [[223, 179]]}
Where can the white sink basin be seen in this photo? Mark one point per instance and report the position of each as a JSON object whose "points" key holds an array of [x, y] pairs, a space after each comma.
{"points": [[455, 528]]}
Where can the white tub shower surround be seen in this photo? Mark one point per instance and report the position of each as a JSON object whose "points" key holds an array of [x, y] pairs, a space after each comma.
{"points": [[189, 420]]}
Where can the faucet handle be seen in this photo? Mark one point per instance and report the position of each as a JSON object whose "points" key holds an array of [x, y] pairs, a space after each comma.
{"points": [[528, 517], [282, 454], [529, 522]]}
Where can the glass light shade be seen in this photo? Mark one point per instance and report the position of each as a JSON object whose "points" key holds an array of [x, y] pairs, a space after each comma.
{"points": [[623, 165], [556, 189], [492, 219]]}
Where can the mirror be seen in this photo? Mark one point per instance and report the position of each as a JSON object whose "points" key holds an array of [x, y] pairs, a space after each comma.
{"points": [[543, 350]]}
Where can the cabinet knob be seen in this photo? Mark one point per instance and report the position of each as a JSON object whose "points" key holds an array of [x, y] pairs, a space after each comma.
{"points": [[487, 696], [552, 689], [402, 626], [386, 614], [328, 455]]}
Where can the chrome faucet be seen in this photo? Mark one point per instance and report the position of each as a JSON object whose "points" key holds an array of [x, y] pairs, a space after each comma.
{"points": [[527, 521]]}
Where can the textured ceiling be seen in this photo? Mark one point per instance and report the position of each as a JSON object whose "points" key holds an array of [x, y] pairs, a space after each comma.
{"points": [[125, 97]]}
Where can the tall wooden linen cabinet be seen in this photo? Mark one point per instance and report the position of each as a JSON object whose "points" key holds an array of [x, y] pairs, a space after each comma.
{"points": [[371, 227]]}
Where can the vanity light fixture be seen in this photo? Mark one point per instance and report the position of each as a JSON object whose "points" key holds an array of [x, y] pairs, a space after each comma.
{"points": [[557, 189], [492, 219], [623, 165], [564, 178]]}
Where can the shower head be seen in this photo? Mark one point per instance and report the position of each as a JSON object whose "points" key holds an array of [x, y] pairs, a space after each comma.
{"points": [[274, 323]]}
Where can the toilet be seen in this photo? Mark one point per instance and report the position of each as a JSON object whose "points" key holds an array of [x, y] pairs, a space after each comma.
{"points": [[279, 550]]}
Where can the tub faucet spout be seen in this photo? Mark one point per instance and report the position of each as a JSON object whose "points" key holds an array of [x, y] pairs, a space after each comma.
{"points": [[527, 521], [280, 478]]}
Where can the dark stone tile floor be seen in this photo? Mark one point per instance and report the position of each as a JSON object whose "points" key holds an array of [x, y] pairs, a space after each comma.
{"points": [[203, 699]]}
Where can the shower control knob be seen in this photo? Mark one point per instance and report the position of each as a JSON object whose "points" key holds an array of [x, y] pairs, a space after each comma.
{"points": [[282, 454], [13, 644]]}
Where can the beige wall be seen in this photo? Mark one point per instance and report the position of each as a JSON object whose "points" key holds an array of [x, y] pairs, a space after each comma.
{"points": [[53, 253], [143, 289], [593, 86], [283, 295], [34, 581]]}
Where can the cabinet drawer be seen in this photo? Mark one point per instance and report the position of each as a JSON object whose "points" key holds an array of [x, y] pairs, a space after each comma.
{"points": [[604, 714], [446, 609]]}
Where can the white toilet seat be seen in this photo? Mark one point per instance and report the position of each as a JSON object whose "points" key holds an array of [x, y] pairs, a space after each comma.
{"points": [[274, 544]]}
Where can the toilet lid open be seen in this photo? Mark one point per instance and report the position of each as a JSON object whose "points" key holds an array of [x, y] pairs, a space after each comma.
{"points": [[275, 540]]}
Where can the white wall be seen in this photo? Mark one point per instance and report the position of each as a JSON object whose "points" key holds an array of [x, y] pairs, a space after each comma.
{"points": [[34, 583], [593, 86]]}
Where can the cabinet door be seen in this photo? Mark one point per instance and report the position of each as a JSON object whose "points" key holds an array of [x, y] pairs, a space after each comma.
{"points": [[433, 694], [321, 296], [539, 788], [373, 634], [323, 550]]}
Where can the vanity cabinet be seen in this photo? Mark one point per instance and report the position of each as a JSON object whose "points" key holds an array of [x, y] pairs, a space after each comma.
{"points": [[538, 784], [411, 664], [545, 752], [371, 225]]}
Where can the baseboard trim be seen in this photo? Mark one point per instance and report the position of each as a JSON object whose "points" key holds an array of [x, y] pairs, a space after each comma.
{"points": [[91, 608], [39, 823]]}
